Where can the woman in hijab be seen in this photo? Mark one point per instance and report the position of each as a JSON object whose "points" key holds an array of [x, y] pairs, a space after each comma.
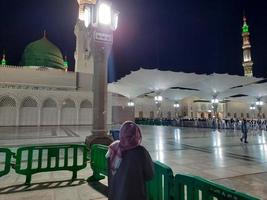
{"points": [[130, 165]]}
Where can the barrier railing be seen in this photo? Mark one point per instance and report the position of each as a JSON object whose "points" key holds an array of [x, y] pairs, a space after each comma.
{"points": [[163, 186], [99, 162], [50, 158], [160, 187], [188, 187], [5, 161]]}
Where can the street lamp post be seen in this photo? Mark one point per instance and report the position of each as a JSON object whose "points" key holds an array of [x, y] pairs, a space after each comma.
{"points": [[214, 103], [100, 20], [259, 104], [253, 108], [158, 99], [176, 107]]}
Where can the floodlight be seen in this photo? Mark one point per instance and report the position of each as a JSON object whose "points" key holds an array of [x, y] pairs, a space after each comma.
{"points": [[104, 14], [87, 17], [130, 104]]}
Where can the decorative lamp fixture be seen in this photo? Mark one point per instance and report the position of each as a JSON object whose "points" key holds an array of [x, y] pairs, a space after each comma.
{"points": [[101, 13], [131, 104], [252, 107], [87, 17], [104, 13], [259, 103], [158, 98], [214, 101], [176, 105]]}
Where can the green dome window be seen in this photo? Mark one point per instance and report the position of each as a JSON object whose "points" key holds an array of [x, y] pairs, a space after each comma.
{"points": [[43, 53]]}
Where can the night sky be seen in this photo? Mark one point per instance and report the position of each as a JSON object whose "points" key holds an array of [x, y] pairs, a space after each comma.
{"points": [[202, 36]]}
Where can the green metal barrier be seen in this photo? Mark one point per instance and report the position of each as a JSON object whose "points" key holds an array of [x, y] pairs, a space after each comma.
{"points": [[160, 187], [99, 162], [164, 186], [188, 187], [5, 158], [50, 158]]}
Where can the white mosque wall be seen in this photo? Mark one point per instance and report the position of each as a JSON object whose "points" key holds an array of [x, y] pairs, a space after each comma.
{"points": [[27, 107], [118, 111], [30, 77], [145, 107], [25, 76], [237, 110], [84, 81]]}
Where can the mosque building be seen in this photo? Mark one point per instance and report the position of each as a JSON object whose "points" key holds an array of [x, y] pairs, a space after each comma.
{"points": [[41, 91]]}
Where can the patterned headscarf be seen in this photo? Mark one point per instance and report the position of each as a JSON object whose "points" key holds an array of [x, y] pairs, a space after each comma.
{"points": [[130, 137]]}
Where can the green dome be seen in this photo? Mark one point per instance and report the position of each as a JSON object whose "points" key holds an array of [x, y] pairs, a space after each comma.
{"points": [[43, 53]]}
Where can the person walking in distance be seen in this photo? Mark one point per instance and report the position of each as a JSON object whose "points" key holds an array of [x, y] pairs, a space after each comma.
{"points": [[244, 129], [129, 165]]}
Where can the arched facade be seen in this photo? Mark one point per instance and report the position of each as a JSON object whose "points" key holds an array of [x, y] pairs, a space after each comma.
{"points": [[41, 108], [86, 112], [8, 111], [49, 112], [68, 112], [29, 112]]}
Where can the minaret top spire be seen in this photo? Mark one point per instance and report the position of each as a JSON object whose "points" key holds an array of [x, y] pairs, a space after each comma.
{"points": [[245, 25], [3, 61]]}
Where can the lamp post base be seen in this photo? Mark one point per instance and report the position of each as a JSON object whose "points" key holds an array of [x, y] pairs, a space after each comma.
{"points": [[98, 139]]}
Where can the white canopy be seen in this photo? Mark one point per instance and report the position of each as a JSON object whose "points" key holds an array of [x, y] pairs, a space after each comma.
{"points": [[179, 85]]}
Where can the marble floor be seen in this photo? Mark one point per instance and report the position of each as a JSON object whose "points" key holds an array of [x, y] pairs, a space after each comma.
{"points": [[215, 155]]}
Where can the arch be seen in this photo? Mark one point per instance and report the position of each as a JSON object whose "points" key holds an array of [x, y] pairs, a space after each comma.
{"points": [[68, 103], [8, 111], [7, 101], [29, 102], [86, 104], [86, 112], [49, 114], [49, 103], [68, 112], [28, 112]]}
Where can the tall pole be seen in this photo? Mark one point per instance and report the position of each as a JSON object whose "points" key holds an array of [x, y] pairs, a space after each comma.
{"points": [[100, 37]]}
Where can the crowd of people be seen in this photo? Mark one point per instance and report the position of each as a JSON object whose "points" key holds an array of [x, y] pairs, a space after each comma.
{"points": [[215, 123], [253, 124]]}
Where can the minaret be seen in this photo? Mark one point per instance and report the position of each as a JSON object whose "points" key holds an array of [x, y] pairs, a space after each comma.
{"points": [[247, 62], [3, 61], [66, 64], [83, 58]]}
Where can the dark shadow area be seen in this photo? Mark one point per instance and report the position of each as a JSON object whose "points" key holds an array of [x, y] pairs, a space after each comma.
{"points": [[41, 186], [100, 187]]}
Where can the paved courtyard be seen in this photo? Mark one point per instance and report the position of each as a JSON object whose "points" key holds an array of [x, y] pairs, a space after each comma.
{"points": [[215, 155]]}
